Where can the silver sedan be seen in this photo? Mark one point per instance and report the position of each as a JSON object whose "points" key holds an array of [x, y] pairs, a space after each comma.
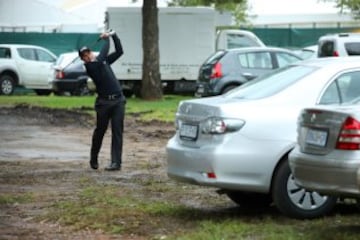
{"points": [[239, 142], [326, 158]]}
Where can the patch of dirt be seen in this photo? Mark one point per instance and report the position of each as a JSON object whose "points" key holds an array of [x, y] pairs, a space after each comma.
{"points": [[45, 151]]}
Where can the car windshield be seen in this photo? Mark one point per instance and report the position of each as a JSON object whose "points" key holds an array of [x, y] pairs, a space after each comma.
{"points": [[355, 101], [272, 83]]}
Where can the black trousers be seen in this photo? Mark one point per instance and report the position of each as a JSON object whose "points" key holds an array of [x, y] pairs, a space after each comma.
{"points": [[106, 111]]}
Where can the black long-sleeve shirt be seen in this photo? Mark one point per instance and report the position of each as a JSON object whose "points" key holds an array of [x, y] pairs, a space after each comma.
{"points": [[101, 72]]}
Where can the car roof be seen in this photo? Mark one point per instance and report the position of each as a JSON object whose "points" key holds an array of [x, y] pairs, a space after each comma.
{"points": [[311, 48], [251, 49], [74, 53], [344, 36], [335, 62]]}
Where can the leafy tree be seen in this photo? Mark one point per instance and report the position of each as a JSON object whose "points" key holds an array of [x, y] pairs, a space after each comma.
{"points": [[236, 7], [348, 5]]}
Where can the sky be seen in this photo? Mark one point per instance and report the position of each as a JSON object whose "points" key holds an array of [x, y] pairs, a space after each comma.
{"points": [[267, 7], [291, 7]]}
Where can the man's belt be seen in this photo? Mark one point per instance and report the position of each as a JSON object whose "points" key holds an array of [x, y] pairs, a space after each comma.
{"points": [[110, 97]]}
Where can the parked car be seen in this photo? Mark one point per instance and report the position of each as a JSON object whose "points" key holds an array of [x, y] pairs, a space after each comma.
{"points": [[227, 69], [70, 75], [27, 66], [339, 45], [327, 158], [239, 142], [307, 52]]}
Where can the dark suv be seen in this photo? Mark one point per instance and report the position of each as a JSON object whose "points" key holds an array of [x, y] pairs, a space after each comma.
{"points": [[227, 69]]}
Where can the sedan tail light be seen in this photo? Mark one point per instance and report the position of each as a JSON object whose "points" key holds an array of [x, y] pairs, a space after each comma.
{"points": [[335, 53], [216, 71], [59, 74], [218, 125], [349, 138]]}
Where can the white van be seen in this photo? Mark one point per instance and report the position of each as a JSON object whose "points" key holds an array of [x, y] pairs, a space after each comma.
{"points": [[339, 45]]}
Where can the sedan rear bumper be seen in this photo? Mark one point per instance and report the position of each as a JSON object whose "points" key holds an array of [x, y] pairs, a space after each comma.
{"points": [[63, 85], [224, 165], [327, 174], [205, 89]]}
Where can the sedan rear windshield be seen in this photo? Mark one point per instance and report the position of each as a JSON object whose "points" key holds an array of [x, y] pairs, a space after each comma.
{"points": [[353, 48], [215, 57], [271, 84]]}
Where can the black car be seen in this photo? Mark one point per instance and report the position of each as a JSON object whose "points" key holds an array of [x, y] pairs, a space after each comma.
{"points": [[70, 75], [227, 69]]}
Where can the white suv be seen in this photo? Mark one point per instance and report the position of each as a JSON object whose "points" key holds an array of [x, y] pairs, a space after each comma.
{"points": [[339, 45], [29, 66]]}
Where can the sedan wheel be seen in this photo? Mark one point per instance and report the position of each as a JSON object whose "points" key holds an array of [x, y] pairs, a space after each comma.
{"points": [[7, 85], [295, 201]]}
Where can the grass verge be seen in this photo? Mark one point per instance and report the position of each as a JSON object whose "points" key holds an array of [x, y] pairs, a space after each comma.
{"points": [[111, 210], [163, 110], [108, 209]]}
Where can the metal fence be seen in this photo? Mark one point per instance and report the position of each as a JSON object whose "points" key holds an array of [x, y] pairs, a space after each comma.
{"points": [[65, 42]]}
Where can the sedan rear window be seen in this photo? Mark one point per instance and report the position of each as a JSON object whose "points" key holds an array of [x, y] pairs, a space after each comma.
{"points": [[215, 57], [326, 49], [272, 83], [5, 53], [353, 48]]}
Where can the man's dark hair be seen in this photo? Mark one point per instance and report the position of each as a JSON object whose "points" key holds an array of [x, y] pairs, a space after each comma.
{"points": [[83, 50]]}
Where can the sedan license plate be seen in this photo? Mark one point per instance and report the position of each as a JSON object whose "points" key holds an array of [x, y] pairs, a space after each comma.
{"points": [[189, 132], [316, 137]]}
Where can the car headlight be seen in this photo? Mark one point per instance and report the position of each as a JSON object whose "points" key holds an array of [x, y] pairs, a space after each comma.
{"points": [[217, 125]]}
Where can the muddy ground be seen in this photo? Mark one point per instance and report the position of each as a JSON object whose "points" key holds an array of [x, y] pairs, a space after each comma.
{"points": [[45, 153]]}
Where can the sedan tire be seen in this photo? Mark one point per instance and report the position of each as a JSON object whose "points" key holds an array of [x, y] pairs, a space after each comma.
{"points": [[295, 201], [7, 85], [42, 92]]}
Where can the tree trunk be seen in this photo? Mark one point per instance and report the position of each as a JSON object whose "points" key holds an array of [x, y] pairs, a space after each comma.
{"points": [[151, 88]]}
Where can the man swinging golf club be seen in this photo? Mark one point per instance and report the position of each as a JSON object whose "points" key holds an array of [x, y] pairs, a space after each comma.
{"points": [[110, 101]]}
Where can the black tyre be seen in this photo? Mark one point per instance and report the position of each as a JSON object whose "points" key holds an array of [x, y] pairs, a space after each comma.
{"points": [[295, 201], [7, 85], [42, 92], [249, 199]]}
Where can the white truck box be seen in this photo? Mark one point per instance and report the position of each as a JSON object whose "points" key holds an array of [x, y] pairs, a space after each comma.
{"points": [[187, 37]]}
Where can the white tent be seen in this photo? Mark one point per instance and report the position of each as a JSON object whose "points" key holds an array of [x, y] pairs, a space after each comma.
{"points": [[37, 16]]}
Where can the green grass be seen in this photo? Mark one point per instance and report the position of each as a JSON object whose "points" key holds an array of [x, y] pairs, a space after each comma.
{"points": [[16, 198], [119, 211], [273, 228], [109, 209], [163, 110]]}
